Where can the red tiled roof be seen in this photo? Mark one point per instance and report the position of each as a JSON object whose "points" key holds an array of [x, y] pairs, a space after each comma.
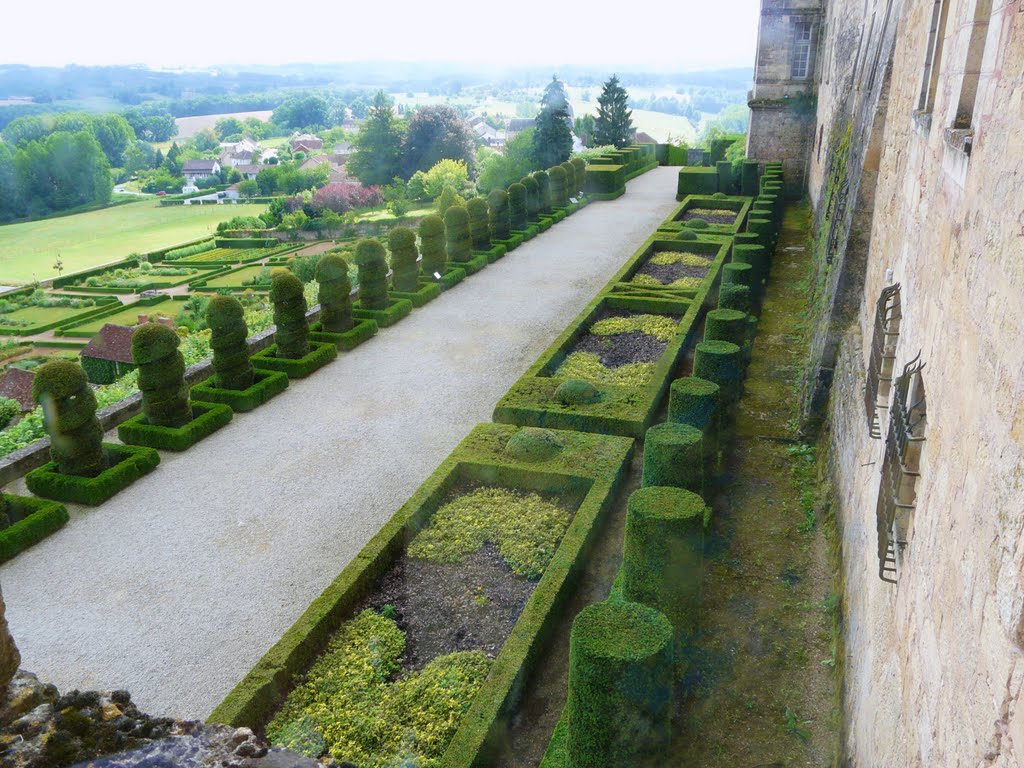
{"points": [[17, 385], [113, 342]]}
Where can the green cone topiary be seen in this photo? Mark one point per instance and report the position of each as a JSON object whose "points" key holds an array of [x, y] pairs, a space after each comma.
{"points": [[335, 294], [228, 331], [497, 203], [69, 415], [432, 246], [543, 191], [479, 226], [532, 197], [372, 262], [559, 194], [456, 226], [292, 334], [517, 212], [161, 375], [402, 244]]}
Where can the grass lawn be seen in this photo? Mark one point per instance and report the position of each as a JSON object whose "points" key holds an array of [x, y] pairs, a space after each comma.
{"points": [[383, 213], [235, 279], [86, 240], [130, 316], [40, 316]]}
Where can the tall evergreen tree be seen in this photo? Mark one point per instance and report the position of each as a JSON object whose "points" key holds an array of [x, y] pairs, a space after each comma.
{"points": [[613, 124], [378, 147], [552, 136]]}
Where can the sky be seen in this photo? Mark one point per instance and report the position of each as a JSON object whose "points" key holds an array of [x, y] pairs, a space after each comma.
{"points": [[685, 34]]}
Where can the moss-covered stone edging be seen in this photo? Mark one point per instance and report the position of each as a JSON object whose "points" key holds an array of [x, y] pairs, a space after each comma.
{"points": [[207, 418], [31, 521], [348, 340], [265, 385], [127, 464], [587, 467]]}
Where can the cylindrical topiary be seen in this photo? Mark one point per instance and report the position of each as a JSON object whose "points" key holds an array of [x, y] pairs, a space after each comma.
{"points": [[559, 198], [517, 213], [735, 296], [663, 556], [722, 363], [161, 375], [674, 456], [69, 416], [692, 400], [432, 246], [292, 334], [570, 180], [754, 255], [497, 204], [764, 229], [726, 325], [372, 262], [479, 226], [543, 191], [402, 244], [228, 331], [748, 178], [532, 197], [335, 294], [580, 166], [619, 708], [741, 274], [744, 238], [456, 227]]}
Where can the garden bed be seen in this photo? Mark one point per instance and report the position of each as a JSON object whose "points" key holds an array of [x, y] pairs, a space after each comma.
{"points": [[207, 418], [361, 331], [128, 315], [320, 354], [127, 463], [265, 385], [27, 318], [725, 215], [28, 521]]}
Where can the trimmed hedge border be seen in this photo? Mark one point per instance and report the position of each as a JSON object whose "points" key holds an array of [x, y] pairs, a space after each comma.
{"points": [[320, 354], [207, 418], [428, 291], [737, 204], [475, 264], [37, 519], [132, 462], [492, 254], [265, 385], [361, 331], [589, 467], [397, 309]]}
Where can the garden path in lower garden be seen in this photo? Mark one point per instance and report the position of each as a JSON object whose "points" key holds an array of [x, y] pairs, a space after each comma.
{"points": [[177, 586]]}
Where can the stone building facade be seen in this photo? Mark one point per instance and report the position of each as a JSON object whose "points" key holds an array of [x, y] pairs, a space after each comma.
{"points": [[915, 169]]}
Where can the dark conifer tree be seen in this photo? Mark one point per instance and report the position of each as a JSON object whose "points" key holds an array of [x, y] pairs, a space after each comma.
{"points": [[552, 137], [613, 124]]}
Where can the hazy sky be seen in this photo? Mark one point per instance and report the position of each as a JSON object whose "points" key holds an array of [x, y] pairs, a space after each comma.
{"points": [[685, 33]]}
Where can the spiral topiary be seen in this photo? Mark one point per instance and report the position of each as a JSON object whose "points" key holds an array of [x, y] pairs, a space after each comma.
{"points": [[497, 203], [479, 227], [543, 191], [69, 415], [402, 244], [228, 331], [335, 294], [456, 227], [292, 335], [559, 196], [532, 197], [161, 375], [372, 261], [517, 206], [432, 247], [580, 166]]}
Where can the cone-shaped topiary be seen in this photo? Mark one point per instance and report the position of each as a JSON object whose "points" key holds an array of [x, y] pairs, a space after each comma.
{"points": [[517, 212], [335, 294], [559, 198], [372, 261], [435, 255], [292, 335], [161, 375], [69, 415], [580, 166], [543, 191], [570, 179], [228, 332], [479, 226], [497, 203], [456, 227], [532, 197], [402, 244]]}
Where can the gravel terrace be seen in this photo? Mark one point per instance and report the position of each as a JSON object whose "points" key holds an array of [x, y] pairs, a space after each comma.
{"points": [[174, 588]]}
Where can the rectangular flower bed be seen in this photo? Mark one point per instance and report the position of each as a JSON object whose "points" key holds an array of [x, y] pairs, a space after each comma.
{"points": [[361, 331], [667, 267], [724, 215], [492, 542], [265, 385], [29, 521], [320, 354], [207, 418], [396, 310], [127, 464], [428, 291]]}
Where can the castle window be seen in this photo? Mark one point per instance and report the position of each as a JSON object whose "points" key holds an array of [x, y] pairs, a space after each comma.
{"points": [[802, 34], [882, 356], [972, 66], [897, 494], [933, 56]]}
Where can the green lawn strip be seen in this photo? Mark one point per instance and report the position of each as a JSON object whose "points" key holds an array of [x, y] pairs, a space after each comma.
{"points": [[32, 320], [129, 315]]}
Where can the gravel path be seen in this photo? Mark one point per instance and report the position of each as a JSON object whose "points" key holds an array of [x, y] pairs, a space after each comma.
{"points": [[175, 587]]}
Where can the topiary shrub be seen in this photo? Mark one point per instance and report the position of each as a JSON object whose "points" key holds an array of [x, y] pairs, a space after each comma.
{"points": [[558, 192], [726, 325], [686, 234], [580, 166], [696, 224], [737, 273], [292, 335], [543, 191], [479, 226], [735, 296], [517, 211], [161, 375], [722, 363], [532, 197], [570, 180], [497, 204], [619, 709], [9, 411], [577, 392], [531, 444], [228, 331], [756, 256], [372, 261], [402, 244], [674, 456], [459, 244], [432, 246], [692, 400], [69, 416], [335, 294]]}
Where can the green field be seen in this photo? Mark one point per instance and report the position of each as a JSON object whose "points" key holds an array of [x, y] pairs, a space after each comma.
{"points": [[39, 316], [234, 279], [129, 316], [85, 240]]}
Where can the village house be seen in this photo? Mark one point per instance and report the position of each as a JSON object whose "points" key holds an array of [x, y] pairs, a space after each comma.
{"points": [[196, 170], [307, 143]]}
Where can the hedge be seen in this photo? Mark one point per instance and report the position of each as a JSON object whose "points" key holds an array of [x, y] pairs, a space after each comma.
{"points": [[426, 291], [748, 178], [396, 310], [726, 325], [265, 385], [720, 362], [320, 354], [31, 521], [346, 340], [247, 242], [605, 182], [696, 180], [735, 296], [692, 400], [207, 418], [126, 464], [674, 456]]}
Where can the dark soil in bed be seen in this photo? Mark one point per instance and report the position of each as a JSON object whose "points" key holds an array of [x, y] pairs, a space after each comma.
{"points": [[622, 348], [669, 273], [722, 217]]}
